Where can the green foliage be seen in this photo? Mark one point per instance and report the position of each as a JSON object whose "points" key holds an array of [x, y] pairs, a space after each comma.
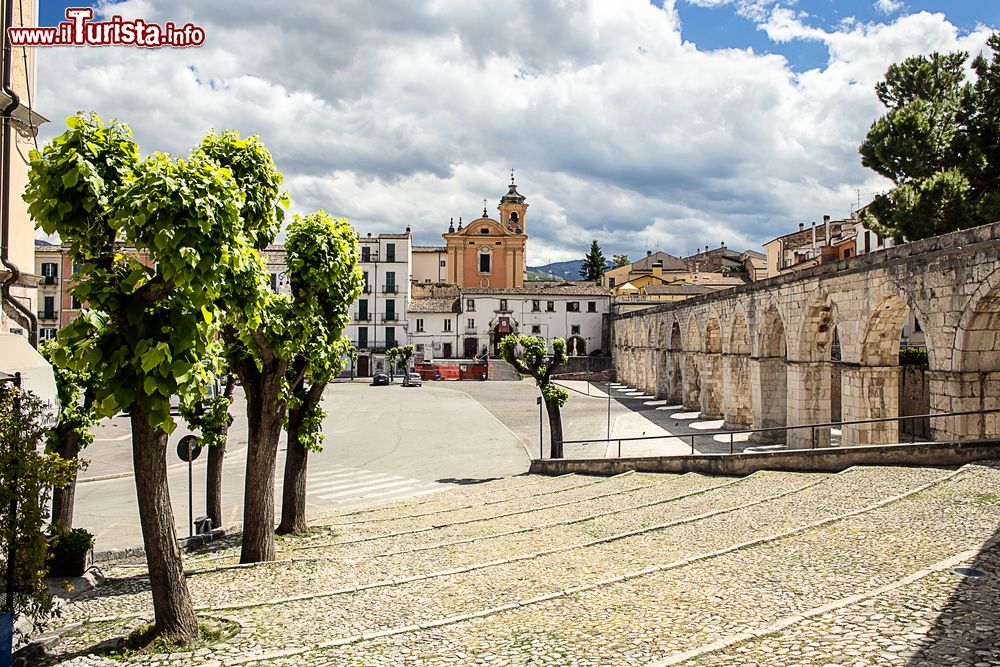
{"points": [[27, 475], [937, 143], [76, 401], [147, 333], [210, 416], [69, 543], [535, 361], [913, 356], [592, 268], [618, 261]]}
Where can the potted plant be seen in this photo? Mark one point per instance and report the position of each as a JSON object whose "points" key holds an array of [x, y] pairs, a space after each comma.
{"points": [[70, 553]]}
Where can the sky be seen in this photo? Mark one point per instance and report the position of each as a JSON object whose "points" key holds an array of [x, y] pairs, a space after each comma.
{"points": [[669, 125]]}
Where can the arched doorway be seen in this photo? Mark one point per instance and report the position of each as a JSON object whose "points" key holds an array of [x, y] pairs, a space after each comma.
{"points": [[576, 347], [470, 348]]}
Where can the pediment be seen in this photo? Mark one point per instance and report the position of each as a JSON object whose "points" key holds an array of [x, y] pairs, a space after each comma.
{"points": [[476, 227]]}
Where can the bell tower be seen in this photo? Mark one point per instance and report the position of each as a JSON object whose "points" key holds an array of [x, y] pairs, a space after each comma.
{"points": [[512, 209]]}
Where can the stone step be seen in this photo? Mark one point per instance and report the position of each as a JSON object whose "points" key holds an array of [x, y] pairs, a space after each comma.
{"points": [[501, 370]]}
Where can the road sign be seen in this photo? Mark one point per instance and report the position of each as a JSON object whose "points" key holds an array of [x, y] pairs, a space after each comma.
{"points": [[188, 448]]}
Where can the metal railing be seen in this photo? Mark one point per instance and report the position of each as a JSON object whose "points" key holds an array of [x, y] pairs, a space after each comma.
{"points": [[47, 315], [390, 317], [362, 317], [390, 289], [781, 429]]}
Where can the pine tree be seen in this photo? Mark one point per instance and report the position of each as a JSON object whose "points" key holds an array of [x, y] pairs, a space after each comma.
{"points": [[592, 268]]}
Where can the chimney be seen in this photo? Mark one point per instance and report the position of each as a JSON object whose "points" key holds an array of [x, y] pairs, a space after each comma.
{"points": [[658, 268], [826, 226], [801, 226], [706, 248], [648, 253], [814, 234], [722, 245]]}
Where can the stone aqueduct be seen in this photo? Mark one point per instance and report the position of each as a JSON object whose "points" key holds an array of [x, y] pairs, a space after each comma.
{"points": [[759, 355]]}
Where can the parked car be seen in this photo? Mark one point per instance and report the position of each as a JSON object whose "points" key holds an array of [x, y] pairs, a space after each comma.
{"points": [[380, 379], [414, 380]]}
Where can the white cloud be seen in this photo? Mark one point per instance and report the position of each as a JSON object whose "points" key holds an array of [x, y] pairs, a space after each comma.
{"points": [[888, 6], [399, 113]]}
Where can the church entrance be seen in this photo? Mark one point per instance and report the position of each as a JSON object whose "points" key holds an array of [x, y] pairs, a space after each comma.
{"points": [[471, 348]]}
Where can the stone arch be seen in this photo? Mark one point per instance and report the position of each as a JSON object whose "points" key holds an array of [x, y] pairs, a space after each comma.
{"points": [[691, 374], [711, 369], [737, 389], [974, 382], [814, 378], [576, 346], [770, 375]]}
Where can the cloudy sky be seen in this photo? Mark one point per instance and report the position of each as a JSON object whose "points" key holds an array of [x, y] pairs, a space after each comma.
{"points": [[670, 125]]}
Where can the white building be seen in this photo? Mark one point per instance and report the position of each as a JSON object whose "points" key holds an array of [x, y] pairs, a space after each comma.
{"points": [[430, 264], [378, 318], [474, 321]]}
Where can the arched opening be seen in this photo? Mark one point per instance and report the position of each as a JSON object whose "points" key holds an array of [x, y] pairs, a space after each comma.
{"points": [[692, 377], [662, 350], [872, 389], [576, 347], [650, 365], [815, 378], [711, 371], [737, 389], [975, 382], [676, 366], [770, 377], [470, 348]]}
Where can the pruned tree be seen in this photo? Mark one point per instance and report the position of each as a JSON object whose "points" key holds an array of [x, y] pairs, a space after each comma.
{"points": [[533, 359], [26, 475], [593, 265], [71, 434], [147, 332], [401, 355], [325, 279], [352, 356], [938, 144]]}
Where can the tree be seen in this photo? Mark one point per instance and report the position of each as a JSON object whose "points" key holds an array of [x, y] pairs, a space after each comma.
{"points": [[211, 417], [618, 261], [326, 280], [401, 355], [26, 475], [146, 333], [593, 265], [938, 144], [71, 433], [535, 361], [352, 356]]}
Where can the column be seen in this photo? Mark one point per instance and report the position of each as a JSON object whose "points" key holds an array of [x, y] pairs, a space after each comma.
{"points": [[809, 402], [737, 408], [711, 385], [870, 392], [953, 391], [770, 383], [692, 390]]}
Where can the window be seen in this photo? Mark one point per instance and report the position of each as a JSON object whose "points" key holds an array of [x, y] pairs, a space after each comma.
{"points": [[484, 262], [390, 282], [76, 305], [470, 305], [575, 329], [868, 241], [470, 324], [420, 325], [447, 325], [847, 252], [366, 254], [611, 282], [362, 309], [536, 305], [572, 306], [484, 230], [390, 252], [536, 329], [362, 337], [503, 304], [49, 309], [550, 306], [50, 271], [390, 337], [76, 268], [390, 309], [441, 263], [916, 326], [591, 306], [274, 283], [419, 348], [48, 333], [364, 278]]}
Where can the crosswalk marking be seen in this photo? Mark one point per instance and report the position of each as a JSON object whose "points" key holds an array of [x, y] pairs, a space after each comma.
{"points": [[359, 483], [373, 487], [343, 485]]}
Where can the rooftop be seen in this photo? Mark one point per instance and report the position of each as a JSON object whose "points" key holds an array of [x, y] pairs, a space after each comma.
{"points": [[448, 304]]}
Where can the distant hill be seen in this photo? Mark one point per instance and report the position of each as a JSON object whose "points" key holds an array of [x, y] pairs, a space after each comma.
{"points": [[558, 270]]}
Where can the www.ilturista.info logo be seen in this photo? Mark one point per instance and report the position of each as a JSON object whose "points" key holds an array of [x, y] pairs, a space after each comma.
{"points": [[79, 30]]}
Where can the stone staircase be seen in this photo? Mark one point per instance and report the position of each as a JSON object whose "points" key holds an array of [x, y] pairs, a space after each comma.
{"points": [[637, 569], [501, 370]]}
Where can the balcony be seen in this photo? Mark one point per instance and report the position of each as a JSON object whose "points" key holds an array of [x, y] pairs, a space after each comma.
{"points": [[390, 317], [48, 280], [48, 315], [366, 290], [470, 330], [390, 289], [362, 317]]}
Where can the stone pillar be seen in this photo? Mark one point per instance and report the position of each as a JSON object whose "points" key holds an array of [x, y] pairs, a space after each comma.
{"points": [[675, 377], [711, 385], [737, 406], [809, 402], [692, 387], [870, 392], [770, 395], [961, 392]]}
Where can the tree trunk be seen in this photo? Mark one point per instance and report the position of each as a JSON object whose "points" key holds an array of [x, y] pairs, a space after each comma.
{"points": [[265, 412], [293, 494], [174, 614], [555, 429], [216, 457], [64, 499]]}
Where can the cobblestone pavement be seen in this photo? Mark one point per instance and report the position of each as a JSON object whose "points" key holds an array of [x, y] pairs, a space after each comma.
{"points": [[638, 569]]}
